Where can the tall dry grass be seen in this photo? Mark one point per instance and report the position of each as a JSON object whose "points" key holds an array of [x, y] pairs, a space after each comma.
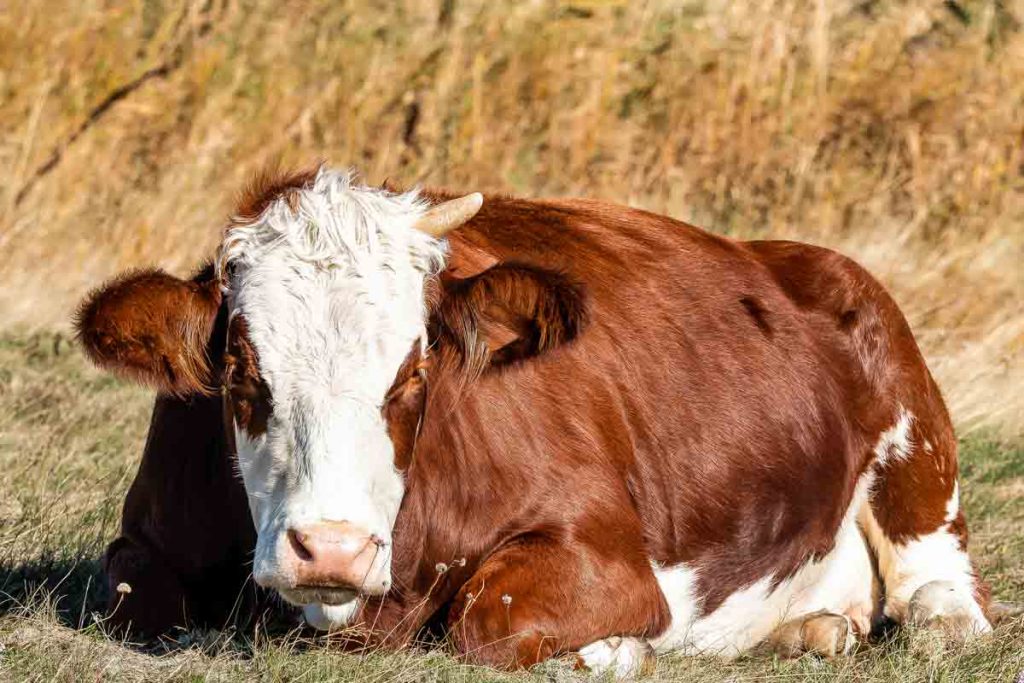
{"points": [[890, 130]]}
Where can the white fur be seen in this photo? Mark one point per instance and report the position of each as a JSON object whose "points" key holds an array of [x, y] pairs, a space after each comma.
{"points": [[839, 582], [333, 295], [953, 504], [907, 567], [330, 617], [895, 443], [620, 657]]}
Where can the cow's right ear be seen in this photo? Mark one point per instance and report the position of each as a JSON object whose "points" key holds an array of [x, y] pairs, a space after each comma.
{"points": [[154, 328]]}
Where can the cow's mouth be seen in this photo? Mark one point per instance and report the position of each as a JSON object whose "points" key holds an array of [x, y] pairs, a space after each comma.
{"points": [[326, 595]]}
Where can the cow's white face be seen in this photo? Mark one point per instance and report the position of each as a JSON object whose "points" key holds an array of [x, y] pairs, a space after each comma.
{"points": [[325, 294]]}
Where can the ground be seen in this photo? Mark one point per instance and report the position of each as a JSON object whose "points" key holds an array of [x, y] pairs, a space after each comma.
{"points": [[888, 130], [70, 439]]}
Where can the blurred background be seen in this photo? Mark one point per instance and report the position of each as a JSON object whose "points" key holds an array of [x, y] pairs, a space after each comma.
{"points": [[892, 131]]}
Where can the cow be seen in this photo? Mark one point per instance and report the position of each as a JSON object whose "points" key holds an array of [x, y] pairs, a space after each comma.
{"points": [[544, 427]]}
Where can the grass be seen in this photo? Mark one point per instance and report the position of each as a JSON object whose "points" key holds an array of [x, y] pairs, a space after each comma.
{"points": [[890, 130], [70, 438]]}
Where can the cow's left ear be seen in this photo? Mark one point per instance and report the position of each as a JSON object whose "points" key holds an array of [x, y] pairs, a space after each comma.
{"points": [[505, 313]]}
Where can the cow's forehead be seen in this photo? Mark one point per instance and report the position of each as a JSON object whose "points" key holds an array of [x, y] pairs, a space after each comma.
{"points": [[333, 224], [329, 275]]}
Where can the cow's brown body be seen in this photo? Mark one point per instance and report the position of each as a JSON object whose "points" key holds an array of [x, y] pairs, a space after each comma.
{"points": [[717, 408]]}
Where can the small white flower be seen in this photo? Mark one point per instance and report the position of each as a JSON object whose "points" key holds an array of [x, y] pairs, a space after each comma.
{"points": [[507, 599], [441, 567], [124, 587]]}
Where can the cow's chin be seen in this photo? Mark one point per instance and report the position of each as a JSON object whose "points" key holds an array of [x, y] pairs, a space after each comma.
{"points": [[302, 596], [330, 617]]}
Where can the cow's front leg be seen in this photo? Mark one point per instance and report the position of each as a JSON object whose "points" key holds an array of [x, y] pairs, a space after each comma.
{"points": [[539, 597], [145, 596]]}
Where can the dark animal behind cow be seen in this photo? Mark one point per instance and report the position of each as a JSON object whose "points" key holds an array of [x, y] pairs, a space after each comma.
{"points": [[609, 433]]}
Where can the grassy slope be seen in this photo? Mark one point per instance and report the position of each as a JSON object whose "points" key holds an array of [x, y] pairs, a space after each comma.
{"points": [[69, 443], [889, 129]]}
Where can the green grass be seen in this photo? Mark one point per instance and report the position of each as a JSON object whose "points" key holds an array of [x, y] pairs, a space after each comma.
{"points": [[70, 438]]}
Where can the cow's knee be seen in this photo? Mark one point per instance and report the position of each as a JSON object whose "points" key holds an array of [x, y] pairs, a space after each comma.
{"points": [[944, 606], [499, 640], [145, 597], [917, 530]]}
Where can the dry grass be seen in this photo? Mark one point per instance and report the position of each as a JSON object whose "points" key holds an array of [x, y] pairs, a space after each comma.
{"points": [[69, 444], [891, 130]]}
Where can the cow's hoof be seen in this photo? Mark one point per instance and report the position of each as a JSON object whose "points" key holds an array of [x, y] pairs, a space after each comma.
{"points": [[822, 633], [622, 657], [829, 635], [945, 607]]}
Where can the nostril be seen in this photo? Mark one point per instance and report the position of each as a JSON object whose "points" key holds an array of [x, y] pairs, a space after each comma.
{"points": [[298, 540]]}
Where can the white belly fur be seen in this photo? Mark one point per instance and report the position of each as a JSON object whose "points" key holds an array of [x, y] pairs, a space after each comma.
{"points": [[841, 582]]}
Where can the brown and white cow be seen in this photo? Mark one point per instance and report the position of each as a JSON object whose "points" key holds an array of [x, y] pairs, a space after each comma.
{"points": [[548, 426]]}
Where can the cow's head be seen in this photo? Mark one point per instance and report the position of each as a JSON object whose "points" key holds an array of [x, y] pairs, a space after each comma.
{"points": [[334, 296]]}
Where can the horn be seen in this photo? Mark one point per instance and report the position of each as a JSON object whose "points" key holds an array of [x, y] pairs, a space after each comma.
{"points": [[445, 217]]}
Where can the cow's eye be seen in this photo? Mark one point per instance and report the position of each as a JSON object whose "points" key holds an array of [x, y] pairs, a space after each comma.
{"points": [[245, 388], [251, 401]]}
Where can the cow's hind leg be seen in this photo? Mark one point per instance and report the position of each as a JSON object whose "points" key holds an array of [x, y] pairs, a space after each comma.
{"points": [[914, 524]]}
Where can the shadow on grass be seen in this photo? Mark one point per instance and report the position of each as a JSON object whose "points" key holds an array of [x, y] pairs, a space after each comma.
{"points": [[73, 587], [75, 591]]}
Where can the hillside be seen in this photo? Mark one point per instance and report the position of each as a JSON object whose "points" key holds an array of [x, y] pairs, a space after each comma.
{"points": [[890, 130]]}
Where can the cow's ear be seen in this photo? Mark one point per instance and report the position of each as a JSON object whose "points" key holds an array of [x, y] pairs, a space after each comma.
{"points": [[506, 313], [154, 328]]}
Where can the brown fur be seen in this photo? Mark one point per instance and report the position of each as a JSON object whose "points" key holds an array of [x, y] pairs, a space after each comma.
{"points": [[506, 314], [186, 535], [266, 186], [608, 387], [404, 405], [152, 327], [246, 392]]}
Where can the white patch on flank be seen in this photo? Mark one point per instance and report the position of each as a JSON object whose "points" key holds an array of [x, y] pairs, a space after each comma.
{"points": [[333, 295], [895, 444], [840, 582], [953, 504]]}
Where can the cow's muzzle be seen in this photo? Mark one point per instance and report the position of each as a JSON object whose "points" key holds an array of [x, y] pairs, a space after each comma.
{"points": [[329, 562]]}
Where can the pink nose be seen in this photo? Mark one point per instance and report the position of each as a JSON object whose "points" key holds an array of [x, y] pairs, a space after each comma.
{"points": [[337, 555]]}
